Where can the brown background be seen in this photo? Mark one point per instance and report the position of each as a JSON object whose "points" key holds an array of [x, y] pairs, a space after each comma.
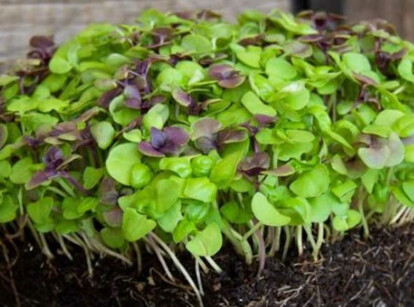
{"points": [[20, 19], [398, 12]]}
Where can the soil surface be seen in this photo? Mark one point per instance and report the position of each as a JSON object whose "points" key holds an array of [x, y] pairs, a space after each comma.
{"points": [[353, 272]]}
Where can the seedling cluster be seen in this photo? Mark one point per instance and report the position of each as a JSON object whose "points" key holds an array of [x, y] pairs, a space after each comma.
{"points": [[186, 131]]}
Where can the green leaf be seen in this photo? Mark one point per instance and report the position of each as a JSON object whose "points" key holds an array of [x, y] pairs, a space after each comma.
{"points": [[311, 183], [170, 219], [135, 226], [6, 79], [224, 171], [405, 69], [52, 104], [156, 117], [183, 229], [408, 188], [70, 209], [134, 136], [251, 56], [298, 209], [5, 168], [192, 72], [201, 189], [234, 213], [141, 176], [21, 171], [321, 207], [8, 209], [120, 161], [40, 211], [92, 176], [59, 65], [112, 237], [167, 193], [207, 242], [369, 179], [348, 221], [87, 204], [281, 69], [196, 43], [345, 189], [266, 213], [4, 134], [356, 62], [297, 95], [103, 133], [255, 106], [179, 165], [120, 114]]}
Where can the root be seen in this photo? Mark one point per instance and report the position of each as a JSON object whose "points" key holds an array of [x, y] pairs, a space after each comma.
{"points": [[198, 275], [11, 280], [98, 246], [179, 266], [161, 259], [214, 265], [139, 257], [262, 252], [78, 241], [45, 247]]}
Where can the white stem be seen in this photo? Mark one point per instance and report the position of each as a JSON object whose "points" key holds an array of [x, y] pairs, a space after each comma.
{"points": [[214, 265], [161, 259], [180, 267], [197, 271]]}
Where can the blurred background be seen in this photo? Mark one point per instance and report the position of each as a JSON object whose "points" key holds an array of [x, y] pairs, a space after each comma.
{"points": [[20, 19]]}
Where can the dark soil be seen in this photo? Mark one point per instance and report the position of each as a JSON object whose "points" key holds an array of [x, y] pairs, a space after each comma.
{"points": [[354, 272]]}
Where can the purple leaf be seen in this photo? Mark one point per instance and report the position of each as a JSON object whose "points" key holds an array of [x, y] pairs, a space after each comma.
{"points": [[208, 60], [205, 127], [113, 217], [53, 158], [39, 178], [253, 40], [264, 120], [176, 135], [182, 97], [161, 36], [105, 99], [232, 82], [85, 116], [133, 97], [205, 144], [312, 38], [3, 135], [108, 195], [281, 171], [41, 42], [364, 79], [228, 136], [146, 149], [226, 76], [254, 164], [43, 48], [158, 138]]}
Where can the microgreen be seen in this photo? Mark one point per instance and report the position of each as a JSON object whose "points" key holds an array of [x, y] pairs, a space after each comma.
{"points": [[197, 131]]}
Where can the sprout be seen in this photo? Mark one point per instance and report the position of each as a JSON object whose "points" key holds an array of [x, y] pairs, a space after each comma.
{"points": [[205, 132]]}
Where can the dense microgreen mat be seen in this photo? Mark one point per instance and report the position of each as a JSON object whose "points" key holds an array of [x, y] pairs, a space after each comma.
{"points": [[185, 130]]}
